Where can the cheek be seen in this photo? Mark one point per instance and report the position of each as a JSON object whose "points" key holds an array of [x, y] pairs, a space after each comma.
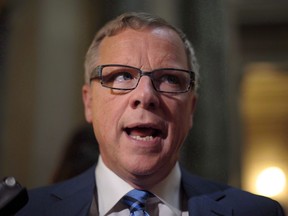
{"points": [[182, 115], [107, 112], [187, 112], [103, 116], [104, 128], [181, 121], [103, 103]]}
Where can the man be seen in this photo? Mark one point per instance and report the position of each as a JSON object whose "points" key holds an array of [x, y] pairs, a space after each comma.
{"points": [[140, 94]]}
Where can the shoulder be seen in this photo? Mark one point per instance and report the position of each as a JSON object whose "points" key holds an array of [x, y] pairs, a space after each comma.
{"points": [[246, 202], [43, 198], [200, 190], [66, 188]]}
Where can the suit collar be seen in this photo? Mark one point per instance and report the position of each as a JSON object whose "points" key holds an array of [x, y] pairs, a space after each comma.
{"points": [[204, 199], [75, 196], [205, 205]]}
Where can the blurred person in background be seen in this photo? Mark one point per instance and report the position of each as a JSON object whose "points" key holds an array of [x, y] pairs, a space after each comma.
{"points": [[80, 153]]}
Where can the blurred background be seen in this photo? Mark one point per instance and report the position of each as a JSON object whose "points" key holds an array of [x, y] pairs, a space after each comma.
{"points": [[240, 133]]}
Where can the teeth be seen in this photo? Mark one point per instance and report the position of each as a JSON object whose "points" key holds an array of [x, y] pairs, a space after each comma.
{"points": [[147, 138]]}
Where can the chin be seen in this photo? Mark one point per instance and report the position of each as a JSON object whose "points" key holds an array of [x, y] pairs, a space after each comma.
{"points": [[145, 166]]}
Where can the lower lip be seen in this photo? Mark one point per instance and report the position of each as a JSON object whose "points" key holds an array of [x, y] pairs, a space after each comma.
{"points": [[155, 142]]}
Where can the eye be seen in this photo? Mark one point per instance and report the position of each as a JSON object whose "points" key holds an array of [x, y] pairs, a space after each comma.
{"points": [[118, 76], [170, 79], [122, 76]]}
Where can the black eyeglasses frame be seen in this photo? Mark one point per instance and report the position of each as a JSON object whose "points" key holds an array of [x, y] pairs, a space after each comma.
{"points": [[97, 75]]}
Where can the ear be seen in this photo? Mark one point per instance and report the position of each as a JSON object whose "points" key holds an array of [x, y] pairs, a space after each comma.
{"points": [[193, 108], [87, 101]]}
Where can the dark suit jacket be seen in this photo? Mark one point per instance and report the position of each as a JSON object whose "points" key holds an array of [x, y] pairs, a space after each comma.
{"points": [[205, 198]]}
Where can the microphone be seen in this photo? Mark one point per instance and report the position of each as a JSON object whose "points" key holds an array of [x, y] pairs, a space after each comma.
{"points": [[13, 196]]}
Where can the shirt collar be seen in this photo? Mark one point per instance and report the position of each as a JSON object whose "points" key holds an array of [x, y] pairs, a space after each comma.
{"points": [[111, 188], [168, 190]]}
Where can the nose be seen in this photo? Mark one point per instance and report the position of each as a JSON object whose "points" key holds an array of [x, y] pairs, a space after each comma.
{"points": [[144, 95]]}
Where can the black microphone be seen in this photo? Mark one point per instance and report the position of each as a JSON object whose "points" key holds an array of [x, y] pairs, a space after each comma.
{"points": [[13, 196]]}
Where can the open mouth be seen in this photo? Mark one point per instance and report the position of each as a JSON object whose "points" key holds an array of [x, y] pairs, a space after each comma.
{"points": [[143, 133]]}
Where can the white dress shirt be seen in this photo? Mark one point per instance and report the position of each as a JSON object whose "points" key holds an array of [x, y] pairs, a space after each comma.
{"points": [[111, 188]]}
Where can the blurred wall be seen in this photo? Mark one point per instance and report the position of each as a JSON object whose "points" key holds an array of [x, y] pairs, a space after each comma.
{"points": [[263, 41], [42, 94]]}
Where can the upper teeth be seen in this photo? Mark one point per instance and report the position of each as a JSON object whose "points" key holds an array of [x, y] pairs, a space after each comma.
{"points": [[147, 138]]}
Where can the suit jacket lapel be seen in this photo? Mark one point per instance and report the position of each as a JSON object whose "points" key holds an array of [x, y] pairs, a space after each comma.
{"points": [[75, 197], [203, 198], [77, 205], [206, 206]]}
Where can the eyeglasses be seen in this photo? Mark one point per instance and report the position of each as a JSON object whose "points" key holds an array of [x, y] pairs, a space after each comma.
{"points": [[123, 77]]}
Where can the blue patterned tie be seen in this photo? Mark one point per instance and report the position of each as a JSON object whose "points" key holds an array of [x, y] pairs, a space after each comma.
{"points": [[135, 200]]}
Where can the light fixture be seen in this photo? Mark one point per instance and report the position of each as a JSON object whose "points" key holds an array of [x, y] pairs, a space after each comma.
{"points": [[271, 182]]}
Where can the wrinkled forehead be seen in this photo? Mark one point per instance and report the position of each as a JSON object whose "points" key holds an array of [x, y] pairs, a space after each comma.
{"points": [[152, 29], [164, 33], [157, 43]]}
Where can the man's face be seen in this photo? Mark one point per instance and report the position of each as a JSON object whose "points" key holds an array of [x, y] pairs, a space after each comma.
{"points": [[140, 132]]}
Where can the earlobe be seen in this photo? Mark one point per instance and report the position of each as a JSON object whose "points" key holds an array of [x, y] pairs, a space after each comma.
{"points": [[87, 100]]}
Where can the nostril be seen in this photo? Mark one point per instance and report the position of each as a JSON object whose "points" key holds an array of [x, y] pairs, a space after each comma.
{"points": [[143, 104], [152, 105], [136, 103]]}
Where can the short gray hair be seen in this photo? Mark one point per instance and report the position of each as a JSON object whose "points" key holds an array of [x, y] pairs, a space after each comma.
{"points": [[137, 21]]}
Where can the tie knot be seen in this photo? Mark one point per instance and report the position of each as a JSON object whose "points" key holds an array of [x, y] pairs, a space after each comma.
{"points": [[136, 199]]}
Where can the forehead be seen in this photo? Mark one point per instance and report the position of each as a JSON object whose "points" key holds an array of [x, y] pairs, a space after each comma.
{"points": [[146, 44]]}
